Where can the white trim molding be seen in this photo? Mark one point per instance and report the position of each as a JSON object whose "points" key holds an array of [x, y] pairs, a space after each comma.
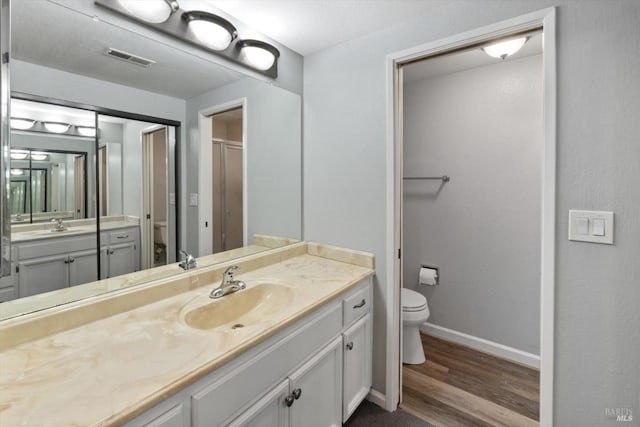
{"points": [[376, 397], [480, 344], [544, 19]]}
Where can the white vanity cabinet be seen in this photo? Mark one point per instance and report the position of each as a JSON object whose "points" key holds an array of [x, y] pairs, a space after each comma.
{"points": [[302, 376], [49, 264], [122, 252]]}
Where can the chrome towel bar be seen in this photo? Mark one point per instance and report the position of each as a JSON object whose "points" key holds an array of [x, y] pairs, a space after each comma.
{"points": [[443, 178]]}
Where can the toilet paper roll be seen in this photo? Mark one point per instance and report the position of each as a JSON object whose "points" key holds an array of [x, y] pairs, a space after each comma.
{"points": [[428, 276]]}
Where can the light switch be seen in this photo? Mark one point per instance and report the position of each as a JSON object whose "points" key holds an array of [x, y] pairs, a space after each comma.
{"points": [[598, 227], [591, 226], [193, 199], [582, 225], [172, 198]]}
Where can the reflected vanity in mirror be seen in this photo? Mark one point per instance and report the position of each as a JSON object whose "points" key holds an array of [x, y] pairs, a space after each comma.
{"points": [[144, 167]]}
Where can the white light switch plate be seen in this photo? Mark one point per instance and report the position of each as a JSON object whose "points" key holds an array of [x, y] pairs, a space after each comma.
{"points": [[594, 234], [172, 198], [193, 199]]}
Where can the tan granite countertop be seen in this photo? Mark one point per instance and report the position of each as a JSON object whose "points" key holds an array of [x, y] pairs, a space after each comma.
{"points": [[107, 371], [42, 230]]}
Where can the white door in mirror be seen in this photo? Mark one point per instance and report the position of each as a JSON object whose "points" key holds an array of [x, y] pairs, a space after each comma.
{"points": [[591, 226]]}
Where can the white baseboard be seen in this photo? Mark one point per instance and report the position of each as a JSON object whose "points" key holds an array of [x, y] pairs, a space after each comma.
{"points": [[378, 398], [481, 344]]}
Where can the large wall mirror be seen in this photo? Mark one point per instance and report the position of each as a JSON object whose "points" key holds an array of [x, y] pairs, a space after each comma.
{"points": [[186, 154]]}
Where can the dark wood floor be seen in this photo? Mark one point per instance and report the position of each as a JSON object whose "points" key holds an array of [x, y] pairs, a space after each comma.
{"points": [[459, 386]]}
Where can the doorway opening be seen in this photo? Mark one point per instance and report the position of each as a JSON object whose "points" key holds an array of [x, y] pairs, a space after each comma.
{"points": [[227, 180], [155, 206], [544, 230]]}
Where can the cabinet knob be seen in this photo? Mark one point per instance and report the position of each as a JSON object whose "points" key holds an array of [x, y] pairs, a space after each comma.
{"points": [[71, 259], [362, 303], [350, 345], [297, 393], [288, 400]]}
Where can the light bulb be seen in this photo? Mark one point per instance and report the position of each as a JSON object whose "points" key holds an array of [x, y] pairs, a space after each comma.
{"points": [[211, 34], [37, 155], [19, 154]]}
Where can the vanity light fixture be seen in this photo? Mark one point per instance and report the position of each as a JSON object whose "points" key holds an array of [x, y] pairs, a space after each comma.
{"points": [[37, 155], [56, 127], [86, 131], [215, 32], [21, 124], [19, 154], [209, 31], [505, 48], [258, 54], [153, 11], [17, 172]]}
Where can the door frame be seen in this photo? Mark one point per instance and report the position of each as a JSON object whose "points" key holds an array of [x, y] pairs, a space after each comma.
{"points": [[205, 176], [544, 19]]}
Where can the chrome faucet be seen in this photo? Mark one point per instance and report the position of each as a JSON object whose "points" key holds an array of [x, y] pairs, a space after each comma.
{"points": [[228, 284], [189, 262], [59, 225]]}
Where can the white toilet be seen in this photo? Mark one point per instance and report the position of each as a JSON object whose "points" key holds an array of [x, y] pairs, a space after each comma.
{"points": [[415, 311]]}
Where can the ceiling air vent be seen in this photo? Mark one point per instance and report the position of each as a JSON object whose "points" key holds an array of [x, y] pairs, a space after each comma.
{"points": [[129, 57]]}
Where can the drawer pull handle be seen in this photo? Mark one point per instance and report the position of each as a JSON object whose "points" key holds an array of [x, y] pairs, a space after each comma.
{"points": [[297, 393], [288, 400], [362, 303], [122, 236], [350, 345]]}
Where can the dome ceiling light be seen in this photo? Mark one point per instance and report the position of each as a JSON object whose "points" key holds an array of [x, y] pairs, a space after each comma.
{"points": [[86, 131], [56, 127], [153, 11], [19, 154], [21, 124], [38, 155], [258, 54], [214, 32], [505, 48]]}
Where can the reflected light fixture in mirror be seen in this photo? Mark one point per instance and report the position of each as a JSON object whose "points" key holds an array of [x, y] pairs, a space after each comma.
{"points": [[86, 131], [21, 124], [215, 32], [153, 11], [258, 54], [56, 127], [17, 172], [505, 48], [19, 154], [38, 155]]}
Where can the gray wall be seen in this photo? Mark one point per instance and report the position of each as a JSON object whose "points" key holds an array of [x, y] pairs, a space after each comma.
{"points": [[273, 153], [111, 135], [597, 343], [483, 127]]}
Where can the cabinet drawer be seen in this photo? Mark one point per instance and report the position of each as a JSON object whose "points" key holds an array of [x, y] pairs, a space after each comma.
{"points": [[123, 236], [7, 294], [55, 246], [355, 305]]}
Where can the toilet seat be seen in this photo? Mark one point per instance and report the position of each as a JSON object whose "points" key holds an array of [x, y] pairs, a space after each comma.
{"points": [[412, 300]]}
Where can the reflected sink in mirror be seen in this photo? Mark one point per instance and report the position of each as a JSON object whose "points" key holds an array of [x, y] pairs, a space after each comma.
{"points": [[247, 307]]}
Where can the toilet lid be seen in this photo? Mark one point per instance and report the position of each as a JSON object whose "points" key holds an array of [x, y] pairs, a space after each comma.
{"points": [[412, 300]]}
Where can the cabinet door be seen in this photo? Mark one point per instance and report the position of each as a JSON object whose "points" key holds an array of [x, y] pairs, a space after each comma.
{"points": [[357, 365], [316, 386], [174, 417], [43, 274], [268, 411], [122, 259], [83, 267]]}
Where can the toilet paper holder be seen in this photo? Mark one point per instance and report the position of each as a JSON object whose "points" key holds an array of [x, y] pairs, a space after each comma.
{"points": [[437, 269]]}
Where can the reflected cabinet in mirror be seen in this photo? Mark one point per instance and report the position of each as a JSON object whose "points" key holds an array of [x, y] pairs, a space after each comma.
{"points": [[115, 168]]}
